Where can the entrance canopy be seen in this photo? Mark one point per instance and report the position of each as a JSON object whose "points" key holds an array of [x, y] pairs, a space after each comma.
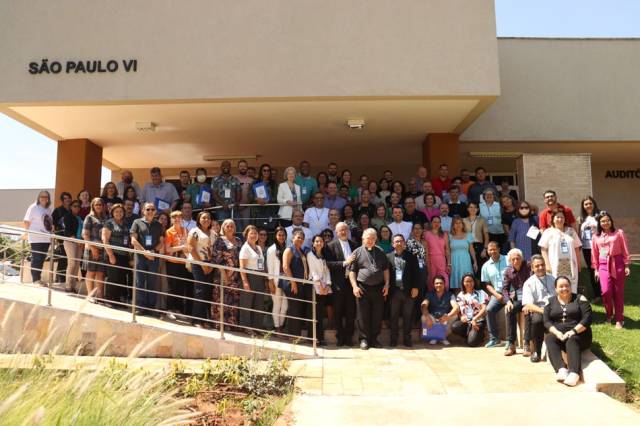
{"points": [[275, 131]]}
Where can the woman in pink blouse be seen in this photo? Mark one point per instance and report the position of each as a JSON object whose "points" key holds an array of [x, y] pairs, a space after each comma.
{"points": [[610, 260]]}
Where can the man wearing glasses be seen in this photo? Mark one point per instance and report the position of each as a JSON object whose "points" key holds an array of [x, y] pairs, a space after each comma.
{"points": [[146, 236], [551, 201]]}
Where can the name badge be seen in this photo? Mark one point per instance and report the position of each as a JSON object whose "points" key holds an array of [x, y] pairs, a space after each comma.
{"points": [[490, 220], [604, 252], [498, 284], [564, 247], [227, 192], [398, 275], [260, 264], [125, 241], [148, 242], [587, 233], [205, 197], [421, 263], [304, 190], [519, 294]]}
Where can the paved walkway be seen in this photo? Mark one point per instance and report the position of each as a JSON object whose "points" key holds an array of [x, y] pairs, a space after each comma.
{"points": [[453, 385]]}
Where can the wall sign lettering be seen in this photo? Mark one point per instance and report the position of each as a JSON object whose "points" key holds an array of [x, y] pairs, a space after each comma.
{"points": [[82, 67], [622, 174]]}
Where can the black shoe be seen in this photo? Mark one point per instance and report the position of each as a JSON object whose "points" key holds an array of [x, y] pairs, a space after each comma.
{"points": [[535, 357], [393, 343], [339, 343], [376, 344], [407, 342], [364, 345]]}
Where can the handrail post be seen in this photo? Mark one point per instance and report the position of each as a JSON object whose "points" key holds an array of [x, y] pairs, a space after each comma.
{"points": [[4, 260], [314, 320], [134, 288], [22, 256], [51, 273], [221, 308]]}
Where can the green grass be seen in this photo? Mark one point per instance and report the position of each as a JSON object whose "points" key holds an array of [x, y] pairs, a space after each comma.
{"points": [[620, 349]]}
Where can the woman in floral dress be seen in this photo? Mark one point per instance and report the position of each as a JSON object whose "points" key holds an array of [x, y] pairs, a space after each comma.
{"points": [[226, 250]]}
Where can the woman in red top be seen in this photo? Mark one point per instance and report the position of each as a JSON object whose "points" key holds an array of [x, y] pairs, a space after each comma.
{"points": [[610, 260]]}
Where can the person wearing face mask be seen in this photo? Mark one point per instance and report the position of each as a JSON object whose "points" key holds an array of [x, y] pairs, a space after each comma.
{"points": [[200, 190], [242, 214], [126, 180]]}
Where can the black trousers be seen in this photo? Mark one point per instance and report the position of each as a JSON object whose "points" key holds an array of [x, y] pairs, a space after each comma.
{"points": [[474, 338], [370, 307], [595, 284], [477, 248], [181, 285], [298, 307], [203, 292], [512, 321], [321, 303], [534, 331], [344, 313], [119, 280], [255, 301], [572, 346], [401, 305], [61, 262]]}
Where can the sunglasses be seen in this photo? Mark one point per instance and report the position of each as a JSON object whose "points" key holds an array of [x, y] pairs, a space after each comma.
{"points": [[150, 210], [524, 208]]}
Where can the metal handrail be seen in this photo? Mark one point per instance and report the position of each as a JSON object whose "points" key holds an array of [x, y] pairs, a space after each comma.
{"points": [[134, 288]]}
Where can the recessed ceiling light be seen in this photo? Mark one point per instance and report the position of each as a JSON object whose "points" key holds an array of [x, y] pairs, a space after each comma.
{"points": [[145, 126], [356, 123]]}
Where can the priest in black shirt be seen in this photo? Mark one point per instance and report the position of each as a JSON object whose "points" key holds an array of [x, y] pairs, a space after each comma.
{"points": [[369, 277]]}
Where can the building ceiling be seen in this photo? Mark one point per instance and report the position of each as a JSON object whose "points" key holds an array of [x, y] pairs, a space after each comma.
{"points": [[272, 130]]}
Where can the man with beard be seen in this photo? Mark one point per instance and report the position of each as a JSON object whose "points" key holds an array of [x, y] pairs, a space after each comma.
{"points": [[241, 214]]}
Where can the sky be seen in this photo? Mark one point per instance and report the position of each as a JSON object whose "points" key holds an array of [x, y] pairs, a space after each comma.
{"points": [[33, 156]]}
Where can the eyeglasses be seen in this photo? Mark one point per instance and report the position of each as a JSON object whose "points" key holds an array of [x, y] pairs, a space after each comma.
{"points": [[524, 208], [150, 210]]}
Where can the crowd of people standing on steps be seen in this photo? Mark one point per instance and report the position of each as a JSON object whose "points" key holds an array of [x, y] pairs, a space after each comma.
{"points": [[447, 253]]}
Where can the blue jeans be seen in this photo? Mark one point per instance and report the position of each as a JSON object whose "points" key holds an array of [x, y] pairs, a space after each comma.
{"points": [[146, 281], [38, 256], [493, 307]]}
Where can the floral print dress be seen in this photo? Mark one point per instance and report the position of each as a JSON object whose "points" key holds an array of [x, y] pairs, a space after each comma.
{"points": [[226, 253]]}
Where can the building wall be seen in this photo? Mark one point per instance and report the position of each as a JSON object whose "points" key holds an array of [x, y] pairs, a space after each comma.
{"points": [[567, 174], [564, 90], [202, 49], [16, 201]]}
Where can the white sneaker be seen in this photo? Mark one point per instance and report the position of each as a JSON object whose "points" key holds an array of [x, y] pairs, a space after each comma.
{"points": [[433, 342], [445, 342], [562, 374], [572, 379]]}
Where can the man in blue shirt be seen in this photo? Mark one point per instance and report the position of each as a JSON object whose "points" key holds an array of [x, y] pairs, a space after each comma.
{"points": [[333, 200], [307, 183], [492, 276]]}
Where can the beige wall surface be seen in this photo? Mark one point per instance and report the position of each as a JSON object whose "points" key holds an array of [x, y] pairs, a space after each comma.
{"points": [[202, 49], [558, 89], [16, 201]]}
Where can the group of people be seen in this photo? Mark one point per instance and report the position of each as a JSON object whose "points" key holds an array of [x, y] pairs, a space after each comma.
{"points": [[447, 251]]}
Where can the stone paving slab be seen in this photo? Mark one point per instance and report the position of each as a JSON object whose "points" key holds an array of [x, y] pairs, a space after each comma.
{"points": [[521, 409]]}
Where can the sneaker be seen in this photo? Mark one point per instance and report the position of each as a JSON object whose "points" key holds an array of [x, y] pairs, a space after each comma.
{"points": [[526, 351], [492, 343], [433, 341], [572, 379], [171, 316], [619, 325], [562, 374], [445, 342]]}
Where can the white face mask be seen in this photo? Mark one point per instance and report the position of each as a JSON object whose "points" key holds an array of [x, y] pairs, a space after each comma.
{"points": [[201, 178]]}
